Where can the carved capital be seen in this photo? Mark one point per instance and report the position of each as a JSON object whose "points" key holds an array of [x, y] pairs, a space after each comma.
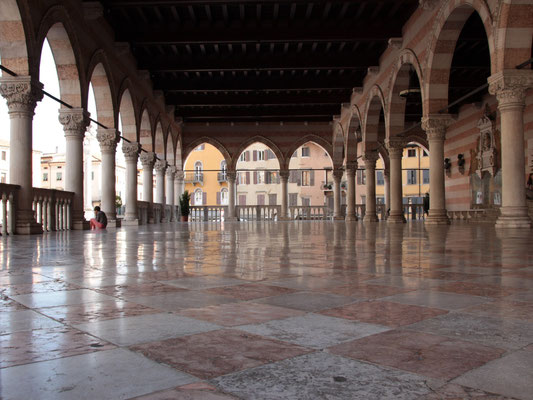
{"points": [[436, 125], [147, 159], [171, 171], [75, 121], [396, 43], [285, 174], [337, 174], [21, 93], [131, 150], [370, 158], [179, 176], [231, 176], [160, 166], [510, 87], [351, 167], [108, 139], [427, 4], [395, 146]]}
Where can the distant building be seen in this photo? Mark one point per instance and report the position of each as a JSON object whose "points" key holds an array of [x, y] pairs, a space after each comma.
{"points": [[4, 164]]}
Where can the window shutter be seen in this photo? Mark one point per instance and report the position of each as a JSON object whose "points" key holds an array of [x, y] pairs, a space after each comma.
{"points": [[254, 155], [278, 178], [312, 180], [299, 178], [247, 156], [266, 155], [204, 198], [247, 177], [255, 178], [218, 198]]}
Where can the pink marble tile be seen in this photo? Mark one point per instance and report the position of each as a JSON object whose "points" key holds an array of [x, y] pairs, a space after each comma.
{"points": [[422, 353], [46, 344], [193, 391], [384, 313], [143, 289], [41, 287], [211, 354], [366, 291], [250, 291], [478, 289], [519, 274], [457, 392], [444, 275], [504, 309]]}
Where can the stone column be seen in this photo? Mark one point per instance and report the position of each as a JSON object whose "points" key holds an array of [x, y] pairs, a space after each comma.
{"points": [[284, 175], [108, 139], [386, 181], [370, 159], [395, 146], [510, 88], [231, 176], [147, 161], [160, 167], [351, 169], [22, 96], [178, 191], [75, 122], [170, 192], [435, 127], [131, 155], [337, 177]]}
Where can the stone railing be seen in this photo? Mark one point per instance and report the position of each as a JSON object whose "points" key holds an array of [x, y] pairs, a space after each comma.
{"points": [[257, 213], [8, 193], [475, 214], [157, 212], [52, 209], [207, 213], [167, 216], [413, 211], [309, 212], [143, 211]]}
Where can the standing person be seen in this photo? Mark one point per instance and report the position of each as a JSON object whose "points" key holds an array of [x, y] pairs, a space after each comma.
{"points": [[100, 219], [426, 204]]}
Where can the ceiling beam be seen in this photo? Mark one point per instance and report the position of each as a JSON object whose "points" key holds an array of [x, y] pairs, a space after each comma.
{"points": [[258, 111], [198, 100]]}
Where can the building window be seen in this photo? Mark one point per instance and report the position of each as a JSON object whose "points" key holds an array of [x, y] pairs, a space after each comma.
{"points": [[260, 199], [224, 197], [223, 170], [198, 174], [306, 178], [200, 148], [411, 152], [293, 199], [92, 175], [4, 155], [361, 177], [306, 201], [45, 177], [242, 199], [305, 152], [198, 197], [273, 199], [260, 156], [411, 176], [242, 157], [425, 153], [3, 178], [425, 176], [295, 154], [379, 178], [59, 176]]}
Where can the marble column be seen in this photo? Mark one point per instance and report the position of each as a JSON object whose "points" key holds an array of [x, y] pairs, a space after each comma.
{"points": [[337, 211], [75, 122], [171, 171], [160, 167], [370, 159], [178, 188], [22, 95], [231, 176], [510, 88], [147, 161], [435, 127], [131, 155], [395, 146], [351, 169], [386, 181], [284, 176], [108, 139]]}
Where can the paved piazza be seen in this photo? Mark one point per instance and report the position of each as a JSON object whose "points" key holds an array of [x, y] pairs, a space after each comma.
{"points": [[296, 310]]}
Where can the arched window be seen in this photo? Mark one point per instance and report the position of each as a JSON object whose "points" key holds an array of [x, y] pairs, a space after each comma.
{"points": [[224, 196], [223, 171], [198, 172], [198, 197]]}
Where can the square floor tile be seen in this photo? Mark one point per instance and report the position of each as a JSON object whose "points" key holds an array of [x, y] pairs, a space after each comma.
{"points": [[458, 392], [384, 313], [54, 299], [522, 296], [104, 281], [250, 291], [504, 309], [323, 376], [308, 301], [40, 287], [25, 320], [407, 282], [239, 313], [306, 282], [478, 289], [106, 375], [445, 275], [192, 391], [314, 330], [203, 282], [422, 353], [46, 344], [442, 300], [495, 332], [180, 300], [142, 289], [511, 375], [145, 328], [212, 354], [8, 305], [364, 291]]}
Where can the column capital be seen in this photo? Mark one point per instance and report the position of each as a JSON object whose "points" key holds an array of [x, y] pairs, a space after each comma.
{"points": [[231, 176], [131, 150], [147, 159], [284, 174], [351, 167], [75, 121], [21, 93], [108, 139], [160, 166], [395, 146], [171, 170], [436, 125], [370, 158], [179, 176], [337, 174], [510, 87]]}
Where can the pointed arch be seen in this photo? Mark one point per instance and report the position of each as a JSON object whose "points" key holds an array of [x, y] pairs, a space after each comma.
{"points": [[206, 139], [145, 130], [102, 83], [257, 139], [372, 131], [337, 148], [159, 138], [328, 148], [353, 135], [127, 116], [14, 46]]}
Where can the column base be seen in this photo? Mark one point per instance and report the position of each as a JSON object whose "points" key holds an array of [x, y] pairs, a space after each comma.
{"points": [[338, 218], [81, 225], [351, 218], [28, 228], [114, 223], [231, 219], [370, 218], [504, 222], [130, 222], [396, 218], [437, 217], [284, 219]]}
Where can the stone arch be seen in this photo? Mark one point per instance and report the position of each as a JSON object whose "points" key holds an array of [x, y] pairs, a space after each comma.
{"points": [[371, 131], [257, 139], [56, 28], [179, 152], [338, 143], [159, 139], [328, 148], [206, 139], [99, 75], [441, 47], [384, 154], [354, 126], [399, 81], [127, 116], [15, 46], [145, 130], [169, 145]]}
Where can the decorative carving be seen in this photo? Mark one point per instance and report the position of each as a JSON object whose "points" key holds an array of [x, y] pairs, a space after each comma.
{"points": [[370, 158], [487, 156], [179, 176], [231, 176], [21, 94], [75, 121], [160, 166], [510, 87], [284, 174], [147, 159], [351, 167], [108, 139], [171, 170], [395, 146], [131, 150], [374, 70], [396, 43], [436, 125], [337, 174], [427, 4]]}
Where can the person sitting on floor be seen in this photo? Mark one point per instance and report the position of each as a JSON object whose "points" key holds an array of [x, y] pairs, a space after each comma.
{"points": [[100, 219]]}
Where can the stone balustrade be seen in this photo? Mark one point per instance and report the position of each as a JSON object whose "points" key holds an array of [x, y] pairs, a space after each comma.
{"points": [[8, 194], [53, 209], [143, 210], [207, 213], [157, 212], [258, 213]]}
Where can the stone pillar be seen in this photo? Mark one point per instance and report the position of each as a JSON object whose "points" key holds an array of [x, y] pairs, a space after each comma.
{"points": [[395, 146], [370, 159], [170, 192], [108, 139], [351, 169], [284, 175], [160, 167], [231, 176], [75, 122], [22, 96], [510, 88], [178, 191], [435, 127], [386, 181], [131, 155], [147, 161], [337, 177]]}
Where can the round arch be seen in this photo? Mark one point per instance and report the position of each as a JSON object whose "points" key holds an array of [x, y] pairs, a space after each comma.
{"points": [[371, 131], [257, 139], [15, 47], [102, 83], [448, 26], [205, 139], [328, 148]]}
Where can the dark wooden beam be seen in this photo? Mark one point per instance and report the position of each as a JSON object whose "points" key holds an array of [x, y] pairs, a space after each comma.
{"points": [[258, 111], [198, 100]]}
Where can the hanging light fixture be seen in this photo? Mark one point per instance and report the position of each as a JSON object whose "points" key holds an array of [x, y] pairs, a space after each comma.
{"points": [[412, 89]]}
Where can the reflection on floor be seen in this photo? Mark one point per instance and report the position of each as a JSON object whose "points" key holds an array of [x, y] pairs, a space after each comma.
{"points": [[297, 310]]}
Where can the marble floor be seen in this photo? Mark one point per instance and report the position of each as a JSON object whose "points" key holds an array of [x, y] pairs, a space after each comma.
{"points": [[295, 310]]}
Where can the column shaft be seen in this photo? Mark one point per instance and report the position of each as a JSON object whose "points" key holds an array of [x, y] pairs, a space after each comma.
{"points": [[284, 175], [395, 147], [370, 159], [160, 167], [231, 175], [108, 140], [350, 195], [337, 211], [170, 192], [131, 154]]}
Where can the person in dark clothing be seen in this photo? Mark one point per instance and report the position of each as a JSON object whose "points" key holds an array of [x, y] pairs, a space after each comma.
{"points": [[100, 219], [426, 204]]}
